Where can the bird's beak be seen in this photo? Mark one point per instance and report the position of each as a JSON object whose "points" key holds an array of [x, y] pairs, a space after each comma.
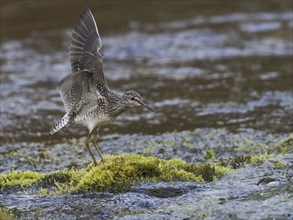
{"points": [[147, 107]]}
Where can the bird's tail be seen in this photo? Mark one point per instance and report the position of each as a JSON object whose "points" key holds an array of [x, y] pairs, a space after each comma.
{"points": [[63, 122]]}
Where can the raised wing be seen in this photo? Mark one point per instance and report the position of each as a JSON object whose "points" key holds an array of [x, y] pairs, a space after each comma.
{"points": [[78, 89], [86, 49]]}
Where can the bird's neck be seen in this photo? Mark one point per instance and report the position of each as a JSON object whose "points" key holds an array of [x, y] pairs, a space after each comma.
{"points": [[118, 107]]}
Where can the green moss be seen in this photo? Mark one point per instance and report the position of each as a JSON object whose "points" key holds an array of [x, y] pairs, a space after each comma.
{"points": [[210, 154], [240, 161], [51, 179], [30, 160], [6, 214], [187, 139], [116, 173], [286, 146], [123, 170], [260, 158], [43, 192], [120, 172], [18, 178], [169, 141], [280, 165]]}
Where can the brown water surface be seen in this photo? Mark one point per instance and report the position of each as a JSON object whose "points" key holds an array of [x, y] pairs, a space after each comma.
{"points": [[199, 64]]}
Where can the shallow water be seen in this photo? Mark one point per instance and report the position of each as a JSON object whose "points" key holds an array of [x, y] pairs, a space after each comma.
{"points": [[231, 70], [240, 194], [200, 65]]}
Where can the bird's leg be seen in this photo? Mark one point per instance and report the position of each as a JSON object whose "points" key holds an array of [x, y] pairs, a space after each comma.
{"points": [[87, 144], [96, 145]]}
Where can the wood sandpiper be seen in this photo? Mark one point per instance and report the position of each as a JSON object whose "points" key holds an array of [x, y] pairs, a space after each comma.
{"points": [[85, 93]]}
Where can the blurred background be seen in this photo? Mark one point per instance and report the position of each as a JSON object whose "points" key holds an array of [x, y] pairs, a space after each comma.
{"points": [[200, 64]]}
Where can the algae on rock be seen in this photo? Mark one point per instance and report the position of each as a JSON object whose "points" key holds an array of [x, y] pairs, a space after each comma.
{"points": [[118, 172]]}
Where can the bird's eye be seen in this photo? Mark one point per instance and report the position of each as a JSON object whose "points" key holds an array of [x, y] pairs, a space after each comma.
{"points": [[132, 99]]}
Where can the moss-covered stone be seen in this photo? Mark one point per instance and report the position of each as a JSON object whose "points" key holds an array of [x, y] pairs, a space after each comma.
{"points": [[116, 173], [120, 172]]}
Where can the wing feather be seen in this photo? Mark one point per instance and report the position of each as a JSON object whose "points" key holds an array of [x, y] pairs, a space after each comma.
{"points": [[86, 49], [78, 90]]}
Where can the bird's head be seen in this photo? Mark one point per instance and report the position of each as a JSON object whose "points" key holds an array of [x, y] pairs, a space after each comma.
{"points": [[133, 99]]}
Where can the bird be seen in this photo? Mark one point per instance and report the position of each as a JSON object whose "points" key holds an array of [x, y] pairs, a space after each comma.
{"points": [[85, 93]]}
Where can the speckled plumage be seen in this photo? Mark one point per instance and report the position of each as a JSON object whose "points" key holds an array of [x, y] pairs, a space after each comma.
{"points": [[85, 93]]}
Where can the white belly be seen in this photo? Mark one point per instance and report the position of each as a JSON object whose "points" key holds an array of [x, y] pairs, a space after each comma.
{"points": [[97, 122]]}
